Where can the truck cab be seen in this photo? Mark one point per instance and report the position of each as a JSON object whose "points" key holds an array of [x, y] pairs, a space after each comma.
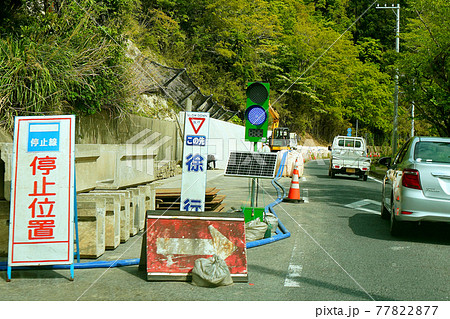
{"points": [[349, 156]]}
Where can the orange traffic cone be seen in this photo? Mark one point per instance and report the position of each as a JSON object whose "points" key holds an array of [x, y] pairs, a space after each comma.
{"points": [[294, 191]]}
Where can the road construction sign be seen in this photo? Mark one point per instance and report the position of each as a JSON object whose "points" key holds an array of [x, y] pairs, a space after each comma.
{"points": [[195, 161], [175, 239], [42, 191]]}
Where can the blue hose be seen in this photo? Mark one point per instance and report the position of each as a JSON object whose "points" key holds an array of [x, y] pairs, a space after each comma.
{"points": [[281, 232], [87, 265]]}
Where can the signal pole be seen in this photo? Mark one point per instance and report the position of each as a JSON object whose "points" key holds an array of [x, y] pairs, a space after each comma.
{"points": [[396, 10]]}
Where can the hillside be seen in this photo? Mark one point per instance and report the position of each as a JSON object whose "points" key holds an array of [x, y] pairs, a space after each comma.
{"points": [[329, 63]]}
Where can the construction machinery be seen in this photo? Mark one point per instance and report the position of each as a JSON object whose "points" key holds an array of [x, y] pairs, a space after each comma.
{"points": [[280, 139]]}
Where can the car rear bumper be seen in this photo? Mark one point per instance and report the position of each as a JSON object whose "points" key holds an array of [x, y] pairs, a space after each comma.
{"points": [[350, 171], [421, 208]]}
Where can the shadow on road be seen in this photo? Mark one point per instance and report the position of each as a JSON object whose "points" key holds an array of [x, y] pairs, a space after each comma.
{"points": [[337, 177], [361, 295], [372, 226]]}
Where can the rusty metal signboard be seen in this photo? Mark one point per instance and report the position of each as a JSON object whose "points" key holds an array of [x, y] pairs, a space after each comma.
{"points": [[174, 240], [42, 191]]}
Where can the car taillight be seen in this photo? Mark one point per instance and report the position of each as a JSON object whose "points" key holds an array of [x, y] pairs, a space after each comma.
{"points": [[411, 178]]}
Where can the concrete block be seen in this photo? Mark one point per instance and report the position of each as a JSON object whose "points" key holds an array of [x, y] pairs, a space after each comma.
{"points": [[91, 227], [125, 217], [128, 165], [150, 195], [124, 212], [4, 227], [138, 203], [102, 166], [86, 166], [112, 217], [5, 170], [127, 212]]}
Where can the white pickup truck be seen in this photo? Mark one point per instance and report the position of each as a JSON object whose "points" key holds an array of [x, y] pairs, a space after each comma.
{"points": [[349, 156]]}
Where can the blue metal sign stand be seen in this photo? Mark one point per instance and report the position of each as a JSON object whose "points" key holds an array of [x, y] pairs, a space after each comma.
{"points": [[75, 218]]}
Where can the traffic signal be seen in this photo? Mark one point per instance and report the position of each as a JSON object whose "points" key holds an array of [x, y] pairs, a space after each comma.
{"points": [[257, 112]]}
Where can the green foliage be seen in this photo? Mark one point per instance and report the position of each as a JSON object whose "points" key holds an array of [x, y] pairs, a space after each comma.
{"points": [[62, 62], [69, 56], [426, 62]]}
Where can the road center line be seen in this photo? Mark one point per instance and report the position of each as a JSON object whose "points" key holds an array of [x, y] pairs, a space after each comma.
{"points": [[374, 179], [359, 205], [294, 269]]}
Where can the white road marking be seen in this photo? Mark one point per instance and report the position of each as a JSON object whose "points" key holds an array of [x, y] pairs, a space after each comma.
{"points": [[294, 269], [359, 206], [321, 162], [374, 179], [305, 196]]}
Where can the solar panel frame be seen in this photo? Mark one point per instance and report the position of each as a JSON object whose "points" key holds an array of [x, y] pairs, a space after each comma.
{"points": [[251, 164]]}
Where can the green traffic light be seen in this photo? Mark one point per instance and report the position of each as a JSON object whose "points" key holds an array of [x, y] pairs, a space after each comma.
{"points": [[256, 114]]}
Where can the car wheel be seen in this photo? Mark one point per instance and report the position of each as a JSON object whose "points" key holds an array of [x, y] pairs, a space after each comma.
{"points": [[395, 225], [384, 212], [365, 178]]}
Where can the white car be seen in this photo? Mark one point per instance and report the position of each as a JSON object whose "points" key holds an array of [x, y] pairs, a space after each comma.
{"points": [[349, 156], [416, 186]]}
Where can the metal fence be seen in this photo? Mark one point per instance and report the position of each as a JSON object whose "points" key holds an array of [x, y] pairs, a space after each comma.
{"points": [[177, 85]]}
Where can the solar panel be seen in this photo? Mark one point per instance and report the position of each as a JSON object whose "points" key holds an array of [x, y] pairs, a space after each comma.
{"points": [[251, 164]]}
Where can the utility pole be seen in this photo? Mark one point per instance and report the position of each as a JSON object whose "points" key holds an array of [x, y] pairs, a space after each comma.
{"points": [[412, 114], [412, 119], [396, 10]]}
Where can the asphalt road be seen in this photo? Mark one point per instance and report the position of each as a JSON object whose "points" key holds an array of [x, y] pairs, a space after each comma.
{"points": [[339, 250], [343, 249]]}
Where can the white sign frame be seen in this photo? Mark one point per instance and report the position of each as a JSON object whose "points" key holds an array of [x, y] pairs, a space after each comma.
{"points": [[41, 228], [195, 161]]}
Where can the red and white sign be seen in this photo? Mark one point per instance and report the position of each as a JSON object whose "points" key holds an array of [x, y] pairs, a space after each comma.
{"points": [[196, 123], [174, 242], [42, 191]]}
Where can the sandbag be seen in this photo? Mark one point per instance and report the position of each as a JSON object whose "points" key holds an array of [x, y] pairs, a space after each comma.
{"points": [[255, 230], [211, 272], [272, 221]]}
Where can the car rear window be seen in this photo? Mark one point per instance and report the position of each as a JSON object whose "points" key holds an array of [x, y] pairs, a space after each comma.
{"points": [[432, 152], [349, 143]]}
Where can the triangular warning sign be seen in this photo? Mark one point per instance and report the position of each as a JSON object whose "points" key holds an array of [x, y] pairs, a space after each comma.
{"points": [[196, 123]]}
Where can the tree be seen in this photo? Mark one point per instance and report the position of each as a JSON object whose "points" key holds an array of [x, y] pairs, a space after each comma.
{"points": [[425, 64]]}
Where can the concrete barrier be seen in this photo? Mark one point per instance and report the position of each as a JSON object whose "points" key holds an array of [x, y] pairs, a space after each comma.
{"points": [[150, 195], [125, 207], [112, 217], [5, 170], [136, 210], [4, 227], [91, 227], [124, 166], [96, 166], [132, 202], [86, 166]]}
